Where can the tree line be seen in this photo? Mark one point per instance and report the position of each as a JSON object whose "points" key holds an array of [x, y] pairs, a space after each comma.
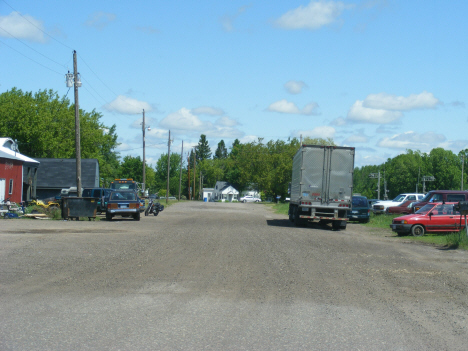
{"points": [[43, 125]]}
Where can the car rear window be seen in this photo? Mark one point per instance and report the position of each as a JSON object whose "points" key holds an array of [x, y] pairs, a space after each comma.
{"points": [[455, 197], [359, 202]]}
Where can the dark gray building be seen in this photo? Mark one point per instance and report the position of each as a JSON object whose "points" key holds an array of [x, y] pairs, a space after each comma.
{"points": [[55, 174]]}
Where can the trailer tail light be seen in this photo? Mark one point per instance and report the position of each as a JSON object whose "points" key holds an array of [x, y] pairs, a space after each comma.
{"points": [[306, 203]]}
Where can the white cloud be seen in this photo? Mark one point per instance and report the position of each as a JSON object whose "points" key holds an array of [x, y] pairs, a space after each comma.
{"points": [[295, 87], [21, 27], [340, 121], [127, 106], [400, 103], [207, 110], [227, 122], [356, 138], [359, 113], [284, 106], [185, 121], [228, 20], [99, 20], [411, 140], [313, 16], [323, 132]]}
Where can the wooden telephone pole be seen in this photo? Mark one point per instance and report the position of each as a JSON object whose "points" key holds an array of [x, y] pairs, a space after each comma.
{"points": [[77, 126]]}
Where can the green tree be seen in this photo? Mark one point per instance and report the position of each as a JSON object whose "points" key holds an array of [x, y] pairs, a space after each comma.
{"points": [[318, 141], [174, 175], [44, 126], [203, 149], [221, 151]]}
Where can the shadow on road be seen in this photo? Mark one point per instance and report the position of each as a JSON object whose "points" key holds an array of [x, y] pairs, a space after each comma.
{"points": [[279, 223]]}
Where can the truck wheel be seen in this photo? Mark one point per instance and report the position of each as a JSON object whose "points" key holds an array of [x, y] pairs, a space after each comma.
{"points": [[300, 222], [108, 216], [136, 217], [291, 215], [336, 225], [417, 230]]}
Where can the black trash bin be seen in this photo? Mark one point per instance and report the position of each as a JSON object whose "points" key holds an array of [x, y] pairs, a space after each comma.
{"points": [[76, 207]]}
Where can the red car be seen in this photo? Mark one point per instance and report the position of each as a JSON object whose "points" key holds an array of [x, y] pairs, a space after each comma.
{"points": [[403, 208], [435, 217]]}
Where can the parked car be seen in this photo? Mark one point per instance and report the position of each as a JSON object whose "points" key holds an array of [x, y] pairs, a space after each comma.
{"points": [[250, 198], [123, 203], [441, 196], [381, 206], [101, 194], [403, 208], [360, 210], [434, 217]]}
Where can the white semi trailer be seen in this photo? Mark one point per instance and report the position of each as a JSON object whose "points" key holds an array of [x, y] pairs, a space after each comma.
{"points": [[322, 185]]}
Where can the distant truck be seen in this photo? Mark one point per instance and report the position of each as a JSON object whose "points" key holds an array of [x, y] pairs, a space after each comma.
{"points": [[322, 185], [124, 184]]}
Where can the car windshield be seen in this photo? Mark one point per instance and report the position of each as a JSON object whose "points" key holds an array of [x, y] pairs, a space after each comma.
{"points": [[123, 196], [427, 197], [359, 202], [425, 209], [399, 198]]}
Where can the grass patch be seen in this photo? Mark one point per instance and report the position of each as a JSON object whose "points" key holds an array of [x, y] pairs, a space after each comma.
{"points": [[280, 208]]}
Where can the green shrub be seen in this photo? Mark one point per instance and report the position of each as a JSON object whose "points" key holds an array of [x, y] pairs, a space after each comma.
{"points": [[457, 240]]}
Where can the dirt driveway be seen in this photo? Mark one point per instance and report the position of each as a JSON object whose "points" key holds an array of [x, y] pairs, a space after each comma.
{"points": [[220, 276]]}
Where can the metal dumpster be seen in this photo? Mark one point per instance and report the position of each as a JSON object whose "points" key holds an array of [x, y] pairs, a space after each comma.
{"points": [[76, 207]]}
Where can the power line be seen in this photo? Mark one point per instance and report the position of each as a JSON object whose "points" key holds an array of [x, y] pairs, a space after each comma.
{"points": [[40, 64], [97, 75], [22, 42], [19, 13]]}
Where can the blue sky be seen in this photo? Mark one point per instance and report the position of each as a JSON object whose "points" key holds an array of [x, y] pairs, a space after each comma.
{"points": [[381, 76]]}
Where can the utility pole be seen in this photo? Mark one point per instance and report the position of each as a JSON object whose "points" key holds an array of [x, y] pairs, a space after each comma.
{"points": [[180, 173], [194, 170], [200, 187], [427, 179], [168, 165], [144, 160], [77, 125], [188, 178], [376, 175], [463, 166]]}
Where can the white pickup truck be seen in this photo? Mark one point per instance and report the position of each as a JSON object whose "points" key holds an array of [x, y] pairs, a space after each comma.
{"points": [[381, 206]]}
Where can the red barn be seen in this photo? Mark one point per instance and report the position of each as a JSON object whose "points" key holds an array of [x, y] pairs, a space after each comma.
{"points": [[14, 167]]}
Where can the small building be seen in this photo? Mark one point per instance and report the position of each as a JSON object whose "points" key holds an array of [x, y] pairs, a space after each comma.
{"points": [[223, 191], [208, 194], [17, 173], [56, 174]]}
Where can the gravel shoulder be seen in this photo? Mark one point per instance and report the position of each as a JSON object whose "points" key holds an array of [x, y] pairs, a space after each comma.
{"points": [[225, 276]]}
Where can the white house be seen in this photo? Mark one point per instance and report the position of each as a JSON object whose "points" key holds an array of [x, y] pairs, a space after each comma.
{"points": [[208, 194], [225, 192]]}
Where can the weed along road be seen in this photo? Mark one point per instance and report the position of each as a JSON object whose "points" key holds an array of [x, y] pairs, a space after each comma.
{"points": [[221, 276]]}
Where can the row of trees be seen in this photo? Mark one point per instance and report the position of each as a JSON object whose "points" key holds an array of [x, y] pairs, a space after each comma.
{"points": [[43, 125]]}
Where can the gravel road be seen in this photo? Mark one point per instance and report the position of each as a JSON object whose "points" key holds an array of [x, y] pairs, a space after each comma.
{"points": [[221, 276]]}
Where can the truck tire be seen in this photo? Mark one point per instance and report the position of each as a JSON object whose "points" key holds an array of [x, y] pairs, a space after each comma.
{"points": [[336, 225], [300, 222], [290, 213], [136, 217], [108, 216]]}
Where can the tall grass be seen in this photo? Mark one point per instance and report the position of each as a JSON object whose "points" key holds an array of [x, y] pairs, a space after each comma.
{"points": [[457, 240]]}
